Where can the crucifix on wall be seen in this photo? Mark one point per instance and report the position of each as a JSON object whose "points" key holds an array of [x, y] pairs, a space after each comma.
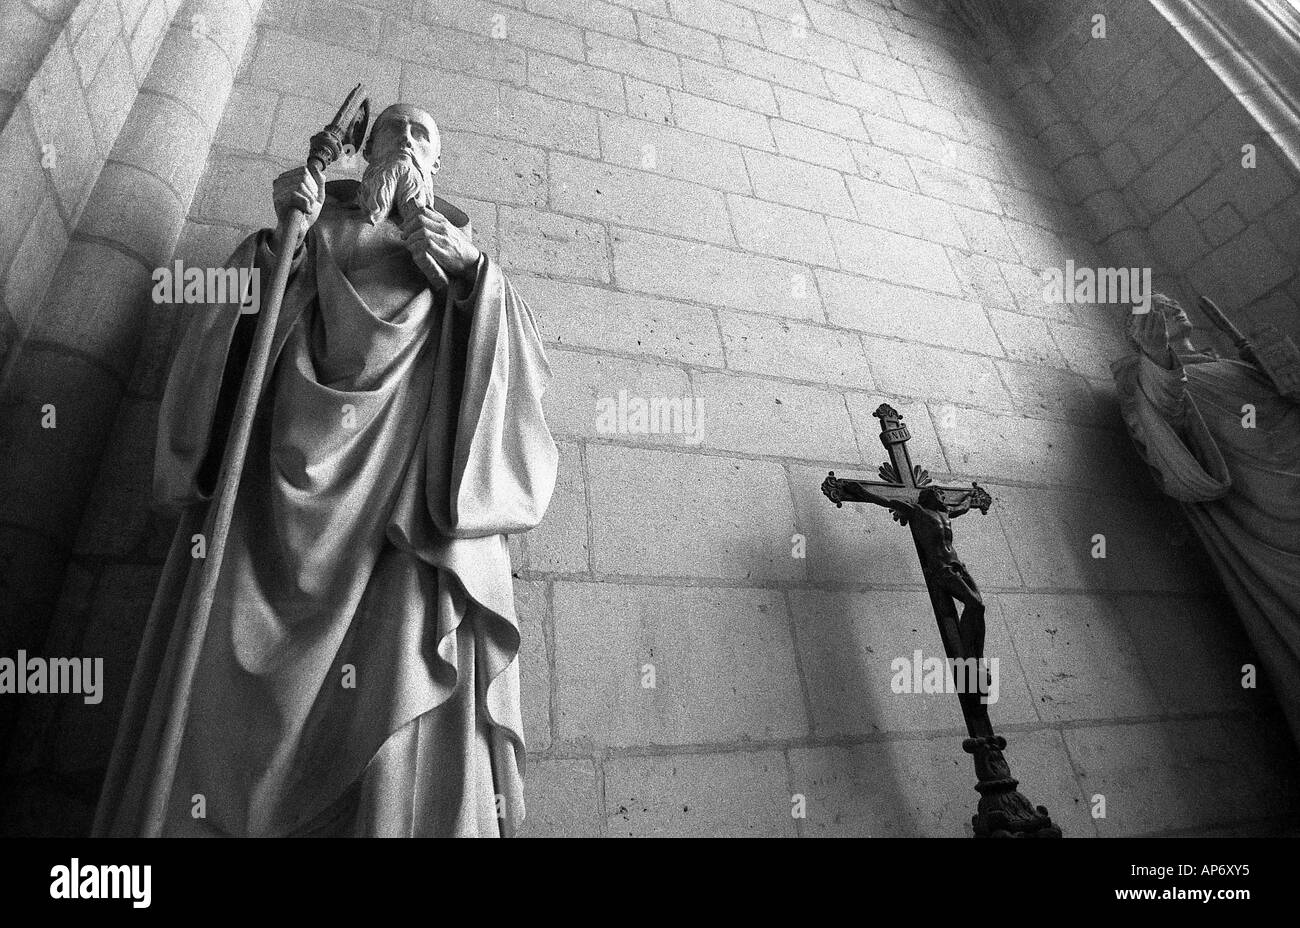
{"points": [[927, 509]]}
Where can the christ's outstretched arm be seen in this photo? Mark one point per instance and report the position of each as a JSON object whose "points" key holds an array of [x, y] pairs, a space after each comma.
{"points": [[841, 490], [974, 498]]}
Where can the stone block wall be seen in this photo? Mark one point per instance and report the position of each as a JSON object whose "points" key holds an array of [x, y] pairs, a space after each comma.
{"points": [[69, 75], [1167, 102], [96, 211], [788, 212]]}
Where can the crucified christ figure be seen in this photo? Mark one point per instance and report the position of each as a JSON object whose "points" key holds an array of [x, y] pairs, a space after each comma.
{"points": [[930, 519]]}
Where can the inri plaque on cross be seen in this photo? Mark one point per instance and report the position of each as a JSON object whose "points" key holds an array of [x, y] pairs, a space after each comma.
{"points": [[927, 509]]}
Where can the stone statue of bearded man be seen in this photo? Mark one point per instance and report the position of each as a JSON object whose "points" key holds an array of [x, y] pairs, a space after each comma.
{"points": [[360, 671]]}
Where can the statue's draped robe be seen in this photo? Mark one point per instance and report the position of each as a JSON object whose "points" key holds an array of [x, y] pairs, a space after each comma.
{"points": [[1239, 486], [359, 673]]}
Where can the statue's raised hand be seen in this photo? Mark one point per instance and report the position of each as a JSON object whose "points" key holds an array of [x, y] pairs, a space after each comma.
{"points": [[297, 189]]}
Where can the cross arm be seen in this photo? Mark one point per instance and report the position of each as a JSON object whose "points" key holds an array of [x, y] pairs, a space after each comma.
{"points": [[841, 490]]}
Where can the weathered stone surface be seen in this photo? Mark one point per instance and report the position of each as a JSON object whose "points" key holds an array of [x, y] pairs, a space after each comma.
{"points": [[734, 795], [117, 520], [767, 417], [650, 64], [684, 40], [848, 646], [1080, 660], [781, 231], [586, 14], [916, 789], [60, 120], [797, 183], [249, 119], [815, 145], [1054, 533], [656, 665], [638, 198], [727, 86], [472, 53], [623, 323], [121, 606], [882, 308], [937, 374], [662, 149], [1158, 777], [493, 169], [902, 211], [534, 664], [721, 120], [570, 80], [109, 96], [548, 243], [558, 125], [896, 258], [1193, 653], [716, 276], [560, 543], [1037, 451], [275, 65], [560, 799], [235, 190], [45, 472], [36, 258], [23, 187], [764, 345], [1025, 338], [462, 101], [582, 382], [1045, 393], [676, 496], [513, 26]]}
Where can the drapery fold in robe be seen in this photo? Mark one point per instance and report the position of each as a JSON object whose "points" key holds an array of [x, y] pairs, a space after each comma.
{"points": [[1239, 486], [359, 674]]}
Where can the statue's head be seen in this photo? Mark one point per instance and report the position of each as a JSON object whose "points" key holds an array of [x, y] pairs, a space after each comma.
{"points": [[932, 498], [1176, 318], [1177, 323], [402, 154], [405, 128]]}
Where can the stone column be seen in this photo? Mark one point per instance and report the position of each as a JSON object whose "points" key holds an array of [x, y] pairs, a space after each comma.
{"points": [[1254, 48], [81, 328]]}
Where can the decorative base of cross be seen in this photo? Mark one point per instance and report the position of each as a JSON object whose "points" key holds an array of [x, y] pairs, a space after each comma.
{"points": [[1003, 811]]}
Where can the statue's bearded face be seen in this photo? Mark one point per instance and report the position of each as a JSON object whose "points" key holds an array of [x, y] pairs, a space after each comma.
{"points": [[402, 154]]}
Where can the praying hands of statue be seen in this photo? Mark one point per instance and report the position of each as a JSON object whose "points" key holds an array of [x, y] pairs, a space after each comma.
{"points": [[440, 250]]}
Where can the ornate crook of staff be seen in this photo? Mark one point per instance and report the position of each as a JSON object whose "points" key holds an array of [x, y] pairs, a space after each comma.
{"points": [[348, 126]]}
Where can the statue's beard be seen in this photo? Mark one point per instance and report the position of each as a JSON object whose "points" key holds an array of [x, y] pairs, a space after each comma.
{"points": [[390, 182]]}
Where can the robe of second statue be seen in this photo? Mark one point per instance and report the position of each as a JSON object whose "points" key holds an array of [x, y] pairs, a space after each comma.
{"points": [[359, 673], [1239, 485]]}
